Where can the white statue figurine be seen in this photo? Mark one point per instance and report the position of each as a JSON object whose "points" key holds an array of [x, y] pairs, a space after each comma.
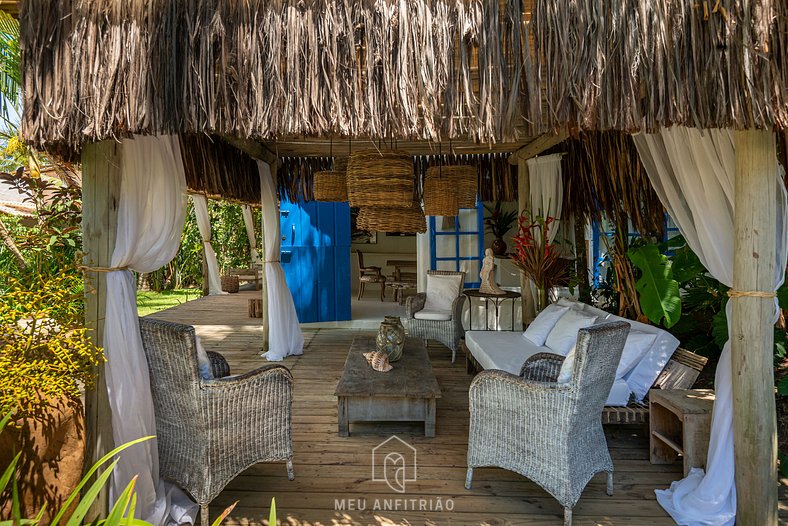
{"points": [[488, 285]]}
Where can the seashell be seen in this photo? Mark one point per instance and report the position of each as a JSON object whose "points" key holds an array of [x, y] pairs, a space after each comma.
{"points": [[379, 360]]}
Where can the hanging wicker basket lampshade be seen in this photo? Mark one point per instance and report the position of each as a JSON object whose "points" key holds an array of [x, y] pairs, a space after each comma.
{"points": [[440, 193], [388, 219], [331, 185], [380, 179], [466, 182]]}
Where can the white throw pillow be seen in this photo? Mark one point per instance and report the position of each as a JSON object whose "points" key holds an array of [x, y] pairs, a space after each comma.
{"points": [[442, 291], [538, 330], [638, 344], [564, 334], [565, 374]]}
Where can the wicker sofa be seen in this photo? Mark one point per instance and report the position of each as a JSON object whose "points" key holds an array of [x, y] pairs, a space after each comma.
{"points": [[507, 351]]}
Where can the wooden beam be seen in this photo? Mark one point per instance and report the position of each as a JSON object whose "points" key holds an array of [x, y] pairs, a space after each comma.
{"points": [[537, 146], [251, 148], [101, 177], [752, 336], [523, 199], [263, 278]]}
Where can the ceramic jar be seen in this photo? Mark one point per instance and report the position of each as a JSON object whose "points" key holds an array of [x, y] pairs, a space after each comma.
{"points": [[391, 337]]}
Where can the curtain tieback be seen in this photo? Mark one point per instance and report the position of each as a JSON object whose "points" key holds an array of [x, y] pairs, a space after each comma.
{"points": [[751, 294], [101, 269], [271, 261], [206, 241]]}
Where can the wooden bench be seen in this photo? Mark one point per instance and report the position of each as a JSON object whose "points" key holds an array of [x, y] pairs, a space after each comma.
{"points": [[681, 372], [246, 274]]}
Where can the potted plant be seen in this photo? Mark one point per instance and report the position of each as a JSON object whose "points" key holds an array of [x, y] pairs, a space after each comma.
{"points": [[46, 360], [498, 223], [537, 258]]}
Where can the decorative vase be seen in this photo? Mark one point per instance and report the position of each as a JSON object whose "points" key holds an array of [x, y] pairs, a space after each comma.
{"points": [[391, 338], [498, 246]]}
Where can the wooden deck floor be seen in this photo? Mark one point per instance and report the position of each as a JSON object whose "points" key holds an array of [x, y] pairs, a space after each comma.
{"points": [[332, 471]]}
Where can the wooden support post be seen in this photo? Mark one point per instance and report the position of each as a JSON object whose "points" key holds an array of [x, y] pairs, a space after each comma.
{"points": [[523, 201], [752, 336], [263, 277], [101, 177]]}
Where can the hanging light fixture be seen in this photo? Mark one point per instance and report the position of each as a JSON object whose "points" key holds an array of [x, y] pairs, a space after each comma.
{"points": [[331, 185]]}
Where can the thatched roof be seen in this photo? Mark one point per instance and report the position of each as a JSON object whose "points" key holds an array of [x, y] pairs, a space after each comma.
{"points": [[97, 69]]}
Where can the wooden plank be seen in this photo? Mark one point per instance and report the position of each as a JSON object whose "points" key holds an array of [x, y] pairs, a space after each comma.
{"points": [[537, 146], [101, 178], [752, 332]]}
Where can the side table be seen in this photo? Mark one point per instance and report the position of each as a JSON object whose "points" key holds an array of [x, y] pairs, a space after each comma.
{"points": [[679, 424], [497, 300]]}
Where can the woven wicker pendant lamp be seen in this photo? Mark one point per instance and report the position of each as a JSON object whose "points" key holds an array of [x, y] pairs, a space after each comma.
{"points": [[466, 182], [331, 185], [380, 179], [389, 219], [440, 193]]}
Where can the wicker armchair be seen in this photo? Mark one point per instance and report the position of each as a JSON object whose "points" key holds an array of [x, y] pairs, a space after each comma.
{"points": [[448, 332], [543, 430], [209, 431]]}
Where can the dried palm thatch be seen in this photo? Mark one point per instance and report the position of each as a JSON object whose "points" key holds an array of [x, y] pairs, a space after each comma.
{"points": [[603, 176], [218, 169], [421, 69], [380, 179], [631, 65], [440, 192], [295, 176]]}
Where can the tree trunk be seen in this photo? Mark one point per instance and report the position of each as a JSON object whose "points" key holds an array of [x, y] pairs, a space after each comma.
{"points": [[9, 242]]}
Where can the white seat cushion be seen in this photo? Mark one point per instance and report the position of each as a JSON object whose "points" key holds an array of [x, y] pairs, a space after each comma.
{"points": [[433, 314], [564, 334], [503, 350], [619, 393], [540, 328], [442, 291]]}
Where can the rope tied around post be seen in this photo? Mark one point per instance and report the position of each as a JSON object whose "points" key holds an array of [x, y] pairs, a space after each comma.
{"points": [[86, 268], [751, 294]]}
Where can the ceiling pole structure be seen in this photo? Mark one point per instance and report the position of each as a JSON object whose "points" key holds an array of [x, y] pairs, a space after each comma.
{"points": [[101, 177], [528, 308], [752, 328]]}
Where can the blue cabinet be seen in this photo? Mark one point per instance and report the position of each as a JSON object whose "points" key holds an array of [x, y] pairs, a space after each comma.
{"points": [[316, 258]]}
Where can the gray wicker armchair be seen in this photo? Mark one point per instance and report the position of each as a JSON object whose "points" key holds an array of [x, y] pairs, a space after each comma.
{"points": [[547, 431], [209, 431], [448, 332]]}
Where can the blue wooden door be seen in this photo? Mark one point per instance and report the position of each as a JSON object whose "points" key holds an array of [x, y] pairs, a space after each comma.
{"points": [[316, 259]]}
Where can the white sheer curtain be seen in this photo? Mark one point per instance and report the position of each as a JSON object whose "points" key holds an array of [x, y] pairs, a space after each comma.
{"points": [[204, 225], [285, 336], [250, 233], [692, 171], [546, 189], [151, 214]]}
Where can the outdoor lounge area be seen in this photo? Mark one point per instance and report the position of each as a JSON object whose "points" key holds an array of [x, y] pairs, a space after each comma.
{"points": [[423, 261], [330, 468]]}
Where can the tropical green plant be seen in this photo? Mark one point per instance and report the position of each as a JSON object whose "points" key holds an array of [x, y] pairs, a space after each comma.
{"points": [[498, 223], [45, 350], [658, 292], [10, 66]]}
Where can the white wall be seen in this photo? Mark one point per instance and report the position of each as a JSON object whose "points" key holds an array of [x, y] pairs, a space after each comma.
{"points": [[376, 254]]}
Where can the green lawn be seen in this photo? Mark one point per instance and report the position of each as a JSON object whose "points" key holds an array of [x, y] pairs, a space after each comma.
{"points": [[150, 302]]}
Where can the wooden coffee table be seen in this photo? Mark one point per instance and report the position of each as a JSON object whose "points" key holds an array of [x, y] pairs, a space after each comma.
{"points": [[407, 393]]}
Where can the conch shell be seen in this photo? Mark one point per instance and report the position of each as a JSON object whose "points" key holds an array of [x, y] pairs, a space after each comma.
{"points": [[379, 360]]}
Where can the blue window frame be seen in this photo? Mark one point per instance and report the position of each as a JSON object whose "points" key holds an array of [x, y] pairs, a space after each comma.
{"points": [[458, 243]]}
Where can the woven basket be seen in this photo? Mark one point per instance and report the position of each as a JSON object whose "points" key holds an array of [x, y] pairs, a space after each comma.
{"points": [[440, 193], [465, 181], [340, 164], [386, 219], [230, 284], [330, 186], [380, 179]]}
